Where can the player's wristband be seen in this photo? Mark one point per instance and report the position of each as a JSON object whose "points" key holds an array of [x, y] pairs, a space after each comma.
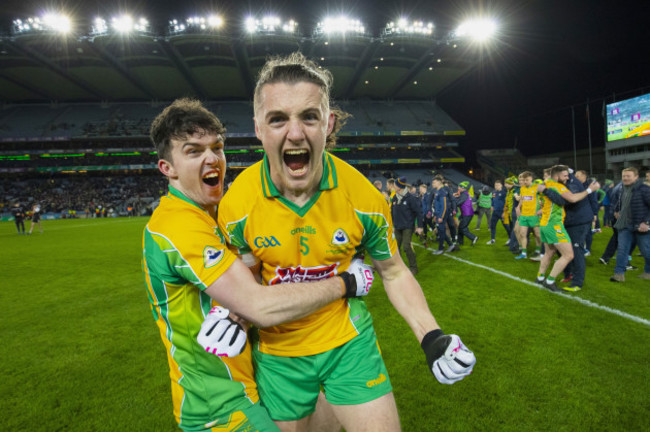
{"points": [[350, 282], [434, 345], [589, 191]]}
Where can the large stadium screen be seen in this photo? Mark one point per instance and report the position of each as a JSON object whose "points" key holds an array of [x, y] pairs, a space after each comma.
{"points": [[628, 118]]}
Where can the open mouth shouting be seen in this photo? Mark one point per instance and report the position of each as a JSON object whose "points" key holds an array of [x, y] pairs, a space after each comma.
{"points": [[212, 178], [297, 161]]}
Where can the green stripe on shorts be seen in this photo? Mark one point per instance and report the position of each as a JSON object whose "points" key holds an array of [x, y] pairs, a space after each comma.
{"points": [[351, 374]]}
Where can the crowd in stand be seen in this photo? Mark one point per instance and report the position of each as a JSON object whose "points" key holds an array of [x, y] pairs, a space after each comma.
{"points": [[559, 211]]}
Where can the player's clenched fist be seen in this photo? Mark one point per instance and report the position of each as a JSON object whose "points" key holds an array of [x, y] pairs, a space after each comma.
{"points": [[448, 359], [362, 278], [220, 335]]}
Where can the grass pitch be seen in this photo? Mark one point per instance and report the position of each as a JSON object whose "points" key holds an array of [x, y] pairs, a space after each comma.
{"points": [[80, 350]]}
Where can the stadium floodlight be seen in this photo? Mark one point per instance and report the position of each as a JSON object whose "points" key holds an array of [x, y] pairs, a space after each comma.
{"points": [[405, 27], [340, 25], [99, 26], [196, 24], [480, 30], [49, 22], [270, 24], [125, 24]]}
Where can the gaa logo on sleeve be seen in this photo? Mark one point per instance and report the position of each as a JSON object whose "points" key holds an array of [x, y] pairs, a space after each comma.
{"points": [[212, 256]]}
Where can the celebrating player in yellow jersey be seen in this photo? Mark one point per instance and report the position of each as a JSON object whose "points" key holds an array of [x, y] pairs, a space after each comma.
{"points": [[187, 267], [553, 232], [527, 210], [302, 214]]}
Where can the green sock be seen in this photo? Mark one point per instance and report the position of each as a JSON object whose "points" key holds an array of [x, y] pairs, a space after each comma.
{"points": [[550, 280], [540, 277]]}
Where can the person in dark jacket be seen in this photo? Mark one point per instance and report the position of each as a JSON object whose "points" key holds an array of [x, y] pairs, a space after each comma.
{"points": [[426, 199], [578, 220], [607, 201], [595, 206], [19, 217], [498, 203], [441, 213], [406, 210], [464, 204], [632, 214]]}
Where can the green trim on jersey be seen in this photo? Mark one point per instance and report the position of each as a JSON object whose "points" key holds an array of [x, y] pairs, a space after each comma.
{"points": [[236, 237], [375, 235]]}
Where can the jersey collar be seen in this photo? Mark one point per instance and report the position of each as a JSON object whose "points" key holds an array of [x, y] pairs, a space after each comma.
{"points": [[329, 179], [178, 194]]}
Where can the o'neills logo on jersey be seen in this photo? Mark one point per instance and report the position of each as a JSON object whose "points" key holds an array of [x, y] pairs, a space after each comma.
{"points": [[212, 256], [304, 230], [302, 274], [527, 198], [340, 237]]}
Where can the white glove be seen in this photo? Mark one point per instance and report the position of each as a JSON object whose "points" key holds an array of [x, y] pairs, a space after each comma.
{"points": [[448, 359], [220, 335], [363, 278]]}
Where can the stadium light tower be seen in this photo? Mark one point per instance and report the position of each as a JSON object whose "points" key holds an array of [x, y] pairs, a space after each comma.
{"points": [[340, 25], [49, 22], [478, 30], [270, 24], [124, 24], [405, 27], [196, 25]]}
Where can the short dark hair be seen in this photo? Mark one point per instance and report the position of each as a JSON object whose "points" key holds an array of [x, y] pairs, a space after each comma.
{"points": [[182, 118], [498, 181], [556, 169]]}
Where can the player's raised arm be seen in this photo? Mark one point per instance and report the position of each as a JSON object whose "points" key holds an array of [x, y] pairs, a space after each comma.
{"points": [[448, 359]]}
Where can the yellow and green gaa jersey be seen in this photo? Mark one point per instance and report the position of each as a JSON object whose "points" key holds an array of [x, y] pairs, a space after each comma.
{"points": [[309, 243], [183, 254], [528, 200], [552, 214]]}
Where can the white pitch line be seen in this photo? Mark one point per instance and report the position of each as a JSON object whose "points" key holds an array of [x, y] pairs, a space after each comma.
{"points": [[533, 284]]}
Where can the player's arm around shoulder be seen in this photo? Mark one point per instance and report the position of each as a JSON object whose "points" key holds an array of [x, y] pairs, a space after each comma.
{"points": [[447, 358]]}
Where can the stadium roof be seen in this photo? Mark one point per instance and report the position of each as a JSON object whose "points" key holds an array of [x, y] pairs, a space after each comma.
{"points": [[42, 67]]}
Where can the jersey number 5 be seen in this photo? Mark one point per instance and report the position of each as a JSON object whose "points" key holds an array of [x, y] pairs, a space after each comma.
{"points": [[304, 248]]}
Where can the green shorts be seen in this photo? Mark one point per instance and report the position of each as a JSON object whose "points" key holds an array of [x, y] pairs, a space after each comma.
{"points": [[528, 221], [254, 419], [351, 374], [553, 234]]}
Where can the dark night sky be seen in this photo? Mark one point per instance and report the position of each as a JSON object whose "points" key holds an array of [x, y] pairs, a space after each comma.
{"points": [[551, 54]]}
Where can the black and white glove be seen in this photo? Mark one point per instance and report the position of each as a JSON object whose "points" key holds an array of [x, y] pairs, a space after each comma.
{"points": [[220, 335], [448, 359], [358, 279]]}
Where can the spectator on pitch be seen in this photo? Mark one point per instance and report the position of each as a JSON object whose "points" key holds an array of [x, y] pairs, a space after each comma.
{"points": [[36, 218], [497, 207], [632, 212], [583, 178], [452, 219], [19, 217], [379, 185], [188, 268], [612, 245], [426, 199], [441, 213], [464, 205], [527, 210], [578, 219], [647, 178], [607, 201], [552, 230], [484, 207], [406, 210]]}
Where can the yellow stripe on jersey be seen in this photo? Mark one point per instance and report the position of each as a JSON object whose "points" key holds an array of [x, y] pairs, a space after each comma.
{"points": [[309, 243]]}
